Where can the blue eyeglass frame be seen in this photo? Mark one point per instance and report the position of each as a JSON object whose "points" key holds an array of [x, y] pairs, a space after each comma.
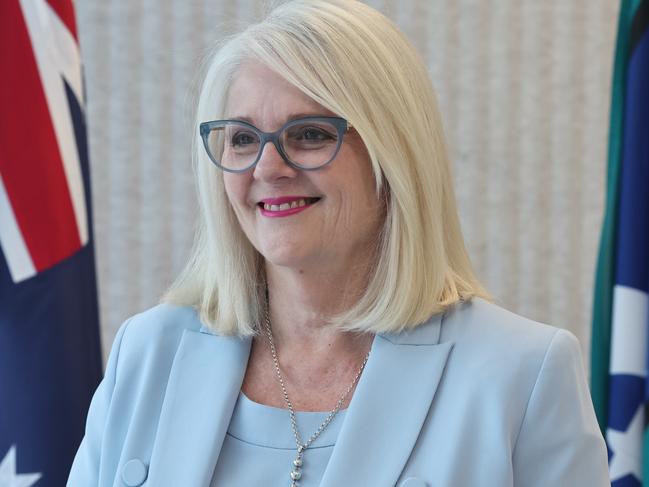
{"points": [[342, 127]]}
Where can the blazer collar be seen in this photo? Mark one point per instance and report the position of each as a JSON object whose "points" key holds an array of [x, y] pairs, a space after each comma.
{"points": [[388, 408], [203, 387], [381, 426]]}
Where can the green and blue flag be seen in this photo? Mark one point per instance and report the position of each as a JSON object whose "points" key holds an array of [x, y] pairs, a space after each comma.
{"points": [[620, 352]]}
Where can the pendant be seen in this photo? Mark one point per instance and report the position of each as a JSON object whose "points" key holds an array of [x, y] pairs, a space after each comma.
{"points": [[296, 474]]}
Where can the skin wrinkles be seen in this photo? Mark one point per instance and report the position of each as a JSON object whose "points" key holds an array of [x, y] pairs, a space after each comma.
{"points": [[337, 229], [317, 261]]}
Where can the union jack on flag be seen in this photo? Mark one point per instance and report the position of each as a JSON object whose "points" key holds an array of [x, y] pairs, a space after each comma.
{"points": [[50, 360]]}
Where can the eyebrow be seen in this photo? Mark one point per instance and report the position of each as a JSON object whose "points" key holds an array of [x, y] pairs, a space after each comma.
{"points": [[292, 116]]}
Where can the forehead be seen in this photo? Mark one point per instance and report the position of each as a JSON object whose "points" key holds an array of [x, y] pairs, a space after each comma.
{"points": [[261, 95]]}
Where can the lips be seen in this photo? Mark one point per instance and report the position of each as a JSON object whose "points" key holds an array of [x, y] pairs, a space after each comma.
{"points": [[285, 205], [282, 204]]}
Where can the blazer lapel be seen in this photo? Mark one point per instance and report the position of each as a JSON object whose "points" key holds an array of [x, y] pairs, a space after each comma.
{"points": [[203, 387], [388, 409]]}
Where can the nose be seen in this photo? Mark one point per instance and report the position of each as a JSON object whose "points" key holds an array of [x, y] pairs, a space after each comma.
{"points": [[271, 165]]}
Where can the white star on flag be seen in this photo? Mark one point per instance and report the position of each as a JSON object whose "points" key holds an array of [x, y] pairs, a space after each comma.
{"points": [[8, 475], [626, 446]]}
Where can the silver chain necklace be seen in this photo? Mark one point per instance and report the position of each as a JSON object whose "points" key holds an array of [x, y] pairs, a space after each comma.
{"points": [[296, 473]]}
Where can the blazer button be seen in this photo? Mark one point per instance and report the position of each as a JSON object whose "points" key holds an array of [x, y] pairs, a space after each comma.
{"points": [[413, 482], [134, 473]]}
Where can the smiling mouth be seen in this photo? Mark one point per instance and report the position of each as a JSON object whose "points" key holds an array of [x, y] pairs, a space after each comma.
{"points": [[297, 203]]}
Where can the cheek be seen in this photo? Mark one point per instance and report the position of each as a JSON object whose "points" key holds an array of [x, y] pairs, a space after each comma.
{"points": [[359, 204], [362, 178], [370, 209], [358, 209], [236, 189]]}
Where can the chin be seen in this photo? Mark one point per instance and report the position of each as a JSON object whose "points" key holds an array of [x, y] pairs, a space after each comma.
{"points": [[285, 256], [288, 261], [278, 254]]}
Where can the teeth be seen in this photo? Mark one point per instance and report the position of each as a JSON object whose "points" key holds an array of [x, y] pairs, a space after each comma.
{"points": [[285, 206]]}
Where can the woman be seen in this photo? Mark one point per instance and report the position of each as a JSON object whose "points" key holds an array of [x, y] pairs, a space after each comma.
{"points": [[328, 329]]}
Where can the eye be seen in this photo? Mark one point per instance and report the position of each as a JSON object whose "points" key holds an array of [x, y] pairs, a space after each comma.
{"points": [[243, 139], [312, 134], [315, 134]]}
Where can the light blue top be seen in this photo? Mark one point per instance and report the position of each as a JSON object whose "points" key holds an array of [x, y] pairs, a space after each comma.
{"points": [[259, 446], [476, 396]]}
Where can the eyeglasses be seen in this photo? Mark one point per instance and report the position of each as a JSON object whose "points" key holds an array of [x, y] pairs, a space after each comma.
{"points": [[305, 143]]}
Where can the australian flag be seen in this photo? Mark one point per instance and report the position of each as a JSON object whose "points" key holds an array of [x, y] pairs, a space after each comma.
{"points": [[620, 352], [50, 361]]}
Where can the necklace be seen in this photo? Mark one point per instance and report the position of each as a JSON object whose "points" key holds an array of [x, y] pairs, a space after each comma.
{"points": [[296, 473]]}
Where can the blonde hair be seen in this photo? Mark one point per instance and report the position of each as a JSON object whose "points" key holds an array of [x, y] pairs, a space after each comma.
{"points": [[353, 61]]}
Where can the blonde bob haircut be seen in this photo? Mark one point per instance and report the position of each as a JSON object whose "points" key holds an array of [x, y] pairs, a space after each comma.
{"points": [[353, 61]]}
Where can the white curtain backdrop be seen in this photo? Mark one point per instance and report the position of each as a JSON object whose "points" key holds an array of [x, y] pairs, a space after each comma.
{"points": [[524, 89]]}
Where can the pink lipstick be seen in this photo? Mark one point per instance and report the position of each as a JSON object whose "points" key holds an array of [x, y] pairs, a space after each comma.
{"points": [[285, 205]]}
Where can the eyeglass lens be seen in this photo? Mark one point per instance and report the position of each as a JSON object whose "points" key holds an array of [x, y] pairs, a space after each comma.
{"points": [[309, 144]]}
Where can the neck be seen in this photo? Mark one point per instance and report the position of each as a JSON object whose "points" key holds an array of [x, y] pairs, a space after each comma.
{"points": [[302, 302], [316, 359]]}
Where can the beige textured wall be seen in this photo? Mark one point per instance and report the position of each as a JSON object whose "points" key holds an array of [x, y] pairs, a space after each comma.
{"points": [[524, 89]]}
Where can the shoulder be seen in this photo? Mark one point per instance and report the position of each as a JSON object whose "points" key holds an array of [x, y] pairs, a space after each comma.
{"points": [[143, 355], [513, 398], [164, 319], [491, 330], [153, 336], [509, 354]]}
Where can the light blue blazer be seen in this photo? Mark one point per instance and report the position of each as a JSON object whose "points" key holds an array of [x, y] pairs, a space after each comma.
{"points": [[474, 397]]}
